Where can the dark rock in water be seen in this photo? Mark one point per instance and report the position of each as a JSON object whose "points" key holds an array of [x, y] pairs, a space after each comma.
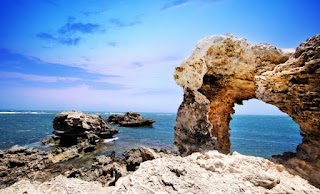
{"points": [[72, 124], [76, 124], [75, 134], [130, 119], [108, 134], [115, 119]]}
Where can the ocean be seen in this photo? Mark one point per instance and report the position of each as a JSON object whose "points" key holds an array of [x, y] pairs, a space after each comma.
{"points": [[256, 135]]}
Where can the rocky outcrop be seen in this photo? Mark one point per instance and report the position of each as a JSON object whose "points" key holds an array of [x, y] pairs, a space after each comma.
{"points": [[19, 163], [76, 134], [72, 125], [225, 70], [78, 124], [210, 172], [130, 119]]}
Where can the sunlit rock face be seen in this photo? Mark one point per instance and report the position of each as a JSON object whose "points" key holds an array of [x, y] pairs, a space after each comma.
{"points": [[225, 70]]}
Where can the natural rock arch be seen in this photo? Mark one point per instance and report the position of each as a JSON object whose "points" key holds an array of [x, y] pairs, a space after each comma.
{"points": [[224, 70]]}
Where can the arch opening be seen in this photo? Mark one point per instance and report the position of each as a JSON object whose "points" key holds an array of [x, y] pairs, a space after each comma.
{"points": [[261, 129]]}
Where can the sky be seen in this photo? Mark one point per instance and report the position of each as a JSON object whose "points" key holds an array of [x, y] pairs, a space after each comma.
{"points": [[107, 55]]}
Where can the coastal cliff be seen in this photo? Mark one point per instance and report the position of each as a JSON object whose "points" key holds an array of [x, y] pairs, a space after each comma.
{"points": [[225, 70]]}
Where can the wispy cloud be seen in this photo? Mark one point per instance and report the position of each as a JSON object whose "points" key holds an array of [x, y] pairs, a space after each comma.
{"points": [[174, 4], [69, 33], [179, 3], [137, 64], [85, 28], [121, 24], [46, 36], [112, 44], [17, 70], [97, 12], [35, 78], [52, 2], [62, 40]]}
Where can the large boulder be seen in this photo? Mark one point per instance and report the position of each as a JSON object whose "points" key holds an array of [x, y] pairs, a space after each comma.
{"points": [[77, 124], [130, 119], [72, 125]]}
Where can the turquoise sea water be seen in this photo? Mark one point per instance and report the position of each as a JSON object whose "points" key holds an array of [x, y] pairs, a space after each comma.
{"points": [[252, 135]]}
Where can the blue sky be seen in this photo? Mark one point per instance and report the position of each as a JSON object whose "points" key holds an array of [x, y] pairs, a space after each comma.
{"points": [[120, 55]]}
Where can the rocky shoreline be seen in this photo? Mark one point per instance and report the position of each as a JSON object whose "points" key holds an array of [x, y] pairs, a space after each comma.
{"points": [[74, 152], [145, 170], [18, 163]]}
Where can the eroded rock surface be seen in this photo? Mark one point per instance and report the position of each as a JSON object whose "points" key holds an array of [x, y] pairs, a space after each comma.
{"points": [[78, 124], [19, 163], [225, 70], [210, 172]]}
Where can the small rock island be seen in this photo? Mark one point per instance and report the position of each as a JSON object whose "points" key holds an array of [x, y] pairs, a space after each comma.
{"points": [[130, 119]]}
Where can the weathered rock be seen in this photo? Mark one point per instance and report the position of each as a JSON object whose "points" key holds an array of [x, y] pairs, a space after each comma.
{"points": [[59, 184], [114, 171], [19, 162], [74, 124], [209, 172], [64, 155], [108, 134], [115, 119], [103, 160], [224, 70], [136, 156], [130, 119], [51, 140], [212, 172], [16, 149]]}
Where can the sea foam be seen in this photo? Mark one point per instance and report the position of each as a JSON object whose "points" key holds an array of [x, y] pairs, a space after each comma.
{"points": [[111, 140]]}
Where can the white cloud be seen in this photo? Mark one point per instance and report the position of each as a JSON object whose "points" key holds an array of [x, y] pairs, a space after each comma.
{"points": [[35, 78], [83, 97]]}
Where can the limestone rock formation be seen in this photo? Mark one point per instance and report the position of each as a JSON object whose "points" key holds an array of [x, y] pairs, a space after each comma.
{"points": [[20, 162], [210, 172], [225, 70], [72, 124], [130, 119], [58, 185]]}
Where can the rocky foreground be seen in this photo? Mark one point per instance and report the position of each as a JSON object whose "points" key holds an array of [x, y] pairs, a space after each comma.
{"points": [[209, 172]]}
